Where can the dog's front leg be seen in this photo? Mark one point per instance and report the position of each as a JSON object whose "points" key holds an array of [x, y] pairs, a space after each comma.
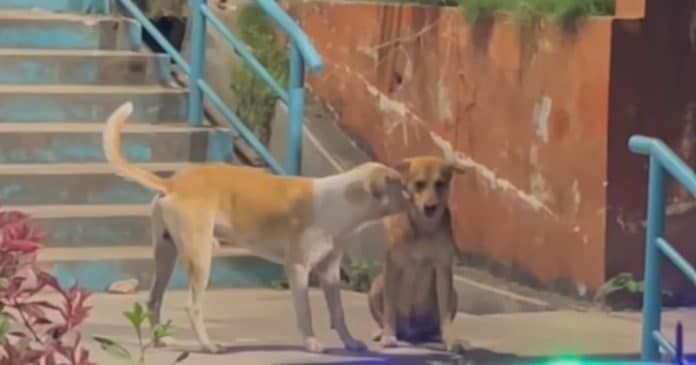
{"points": [[330, 276], [298, 278], [443, 282], [391, 281]]}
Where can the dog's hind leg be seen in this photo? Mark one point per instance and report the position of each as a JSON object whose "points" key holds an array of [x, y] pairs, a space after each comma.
{"points": [[193, 234], [329, 270], [165, 259], [375, 303]]}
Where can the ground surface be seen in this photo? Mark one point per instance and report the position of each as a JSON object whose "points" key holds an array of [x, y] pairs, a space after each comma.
{"points": [[258, 327]]}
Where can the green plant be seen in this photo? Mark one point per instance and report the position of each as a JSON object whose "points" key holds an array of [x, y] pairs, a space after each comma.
{"points": [[137, 318], [255, 100], [477, 10], [567, 13], [359, 275], [620, 282]]}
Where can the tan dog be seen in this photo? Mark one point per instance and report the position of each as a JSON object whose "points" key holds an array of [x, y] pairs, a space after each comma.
{"points": [[413, 299], [292, 220]]}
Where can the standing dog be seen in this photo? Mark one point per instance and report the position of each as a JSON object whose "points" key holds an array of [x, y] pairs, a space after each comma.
{"points": [[413, 298], [292, 220]]}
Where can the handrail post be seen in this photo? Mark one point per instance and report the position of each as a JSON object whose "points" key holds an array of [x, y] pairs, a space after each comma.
{"points": [[198, 38], [652, 294], [296, 97]]}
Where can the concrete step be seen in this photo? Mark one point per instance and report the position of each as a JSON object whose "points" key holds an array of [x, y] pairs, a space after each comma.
{"points": [[25, 143], [90, 67], [82, 183], [95, 268], [69, 103], [100, 225], [48, 30], [76, 6]]}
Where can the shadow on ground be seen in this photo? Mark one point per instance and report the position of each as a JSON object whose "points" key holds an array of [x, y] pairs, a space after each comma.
{"points": [[472, 357]]}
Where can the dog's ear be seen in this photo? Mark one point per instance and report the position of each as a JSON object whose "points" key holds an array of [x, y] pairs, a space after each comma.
{"points": [[381, 180]]}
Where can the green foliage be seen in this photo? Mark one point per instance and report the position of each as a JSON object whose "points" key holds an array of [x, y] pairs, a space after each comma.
{"points": [[255, 100], [4, 326], [564, 12], [423, 2], [620, 282], [137, 318], [359, 275]]}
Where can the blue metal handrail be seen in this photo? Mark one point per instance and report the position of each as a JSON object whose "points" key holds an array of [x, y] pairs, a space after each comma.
{"points": [[662, 159], [302, 53]]}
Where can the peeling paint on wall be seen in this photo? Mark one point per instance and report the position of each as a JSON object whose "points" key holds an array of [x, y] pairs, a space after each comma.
{"points": [[542, 111], [444, 104], [537, 184], [493, 182], [576, 197], [401, 114]]}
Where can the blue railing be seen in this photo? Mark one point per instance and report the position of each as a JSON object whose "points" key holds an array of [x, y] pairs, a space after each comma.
{"points": [[302, 54], [662, 161]]}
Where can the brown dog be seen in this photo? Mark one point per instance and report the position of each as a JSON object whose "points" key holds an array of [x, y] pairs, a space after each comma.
{"points": [[413, 299]]}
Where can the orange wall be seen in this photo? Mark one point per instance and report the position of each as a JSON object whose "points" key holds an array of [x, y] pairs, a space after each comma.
{"points": [[529, 108]]}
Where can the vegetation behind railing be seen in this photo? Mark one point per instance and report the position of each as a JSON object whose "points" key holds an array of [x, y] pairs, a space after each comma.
{"points": [[564, 12]]}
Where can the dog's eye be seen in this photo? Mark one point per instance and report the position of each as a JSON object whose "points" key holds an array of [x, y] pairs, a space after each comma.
{"points": [[439, 184], [419, 185]]}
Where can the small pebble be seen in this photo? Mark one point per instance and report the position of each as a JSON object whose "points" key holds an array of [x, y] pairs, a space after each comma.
{"points": [[124, 286]]}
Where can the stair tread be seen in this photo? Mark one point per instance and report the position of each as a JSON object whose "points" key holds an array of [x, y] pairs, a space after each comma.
{"points": [[89, 89], [82, 210], [37, 13], [75, 52], [91, 253], [77, 127], [81, 168]]}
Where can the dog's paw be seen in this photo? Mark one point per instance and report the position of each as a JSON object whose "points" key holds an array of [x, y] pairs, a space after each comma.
{"points": [[388, 341], [355, 345], [456, 346], [313, 345], [213, 348], [377, 335]]}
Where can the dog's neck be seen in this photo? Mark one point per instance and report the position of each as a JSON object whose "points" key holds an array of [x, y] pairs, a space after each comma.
{"points": [[333, 212], [426, 226]]}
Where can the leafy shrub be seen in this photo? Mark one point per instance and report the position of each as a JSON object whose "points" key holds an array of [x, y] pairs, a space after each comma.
{"points": [[255, 100], [359, 275], [137, 318], [34, 327], [564, 12]]}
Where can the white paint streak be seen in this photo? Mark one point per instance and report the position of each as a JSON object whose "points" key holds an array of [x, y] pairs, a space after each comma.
{"points": [[577, 197], [401, 115], [444, 104], [542, 112], [487, 175]]}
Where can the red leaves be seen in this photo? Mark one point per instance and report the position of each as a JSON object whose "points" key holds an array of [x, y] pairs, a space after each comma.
{"points": [[43, 330]]}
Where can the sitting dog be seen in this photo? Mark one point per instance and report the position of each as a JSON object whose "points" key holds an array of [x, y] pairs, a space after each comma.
{"points": [[292, 220], [413, 298]]}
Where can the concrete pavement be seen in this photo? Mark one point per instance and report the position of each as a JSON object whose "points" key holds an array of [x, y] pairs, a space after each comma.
{"points": [[258, 328]]}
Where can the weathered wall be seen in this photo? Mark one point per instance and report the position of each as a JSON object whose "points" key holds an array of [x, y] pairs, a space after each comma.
{"points": [[529, 108], [652, 93]]}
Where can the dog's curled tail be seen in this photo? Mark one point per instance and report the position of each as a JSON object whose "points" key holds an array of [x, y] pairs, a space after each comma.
{"points": [[111, 142]]}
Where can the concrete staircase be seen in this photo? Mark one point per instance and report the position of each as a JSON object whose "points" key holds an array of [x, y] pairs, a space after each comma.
{"points": [[63, 69]]}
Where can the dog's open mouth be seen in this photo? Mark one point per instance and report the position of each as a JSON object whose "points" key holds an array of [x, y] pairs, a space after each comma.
{"points": [[430, 210]]}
